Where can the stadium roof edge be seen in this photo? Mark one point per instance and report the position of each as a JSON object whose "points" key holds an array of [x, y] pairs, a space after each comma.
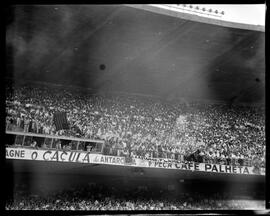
{"points": [[197, 18]]}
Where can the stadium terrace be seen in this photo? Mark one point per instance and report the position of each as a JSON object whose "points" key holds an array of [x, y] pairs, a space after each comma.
{"points": [[133, 107]]}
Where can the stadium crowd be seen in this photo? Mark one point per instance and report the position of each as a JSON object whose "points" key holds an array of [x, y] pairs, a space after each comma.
{"points": [[144, 127], [99, 197]]}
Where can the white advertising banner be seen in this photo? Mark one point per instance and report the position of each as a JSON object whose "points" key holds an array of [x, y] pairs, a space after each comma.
{"points": [[203, 167], [87, 157], [62, 156]]}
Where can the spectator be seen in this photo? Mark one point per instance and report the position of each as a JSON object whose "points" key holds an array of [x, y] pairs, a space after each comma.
{"points": [[58, 144], [34, 144]]}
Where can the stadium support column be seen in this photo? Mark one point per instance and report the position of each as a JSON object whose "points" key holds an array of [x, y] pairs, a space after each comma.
{"points": [[51, 143], [102, 148], [23, 140]]}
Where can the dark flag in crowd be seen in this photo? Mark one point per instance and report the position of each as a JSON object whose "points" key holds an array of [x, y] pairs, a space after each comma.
{"points": [[60, 120]]}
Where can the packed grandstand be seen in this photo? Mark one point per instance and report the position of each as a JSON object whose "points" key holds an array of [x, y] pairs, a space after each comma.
{"points": [[144, 127], [101, 197]]}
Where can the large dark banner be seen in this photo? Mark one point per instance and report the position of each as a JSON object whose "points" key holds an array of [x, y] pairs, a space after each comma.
{"points": [[60, 120]]}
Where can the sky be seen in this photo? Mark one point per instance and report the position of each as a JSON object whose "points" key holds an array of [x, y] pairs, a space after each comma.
{"points": [[240, 13]]}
